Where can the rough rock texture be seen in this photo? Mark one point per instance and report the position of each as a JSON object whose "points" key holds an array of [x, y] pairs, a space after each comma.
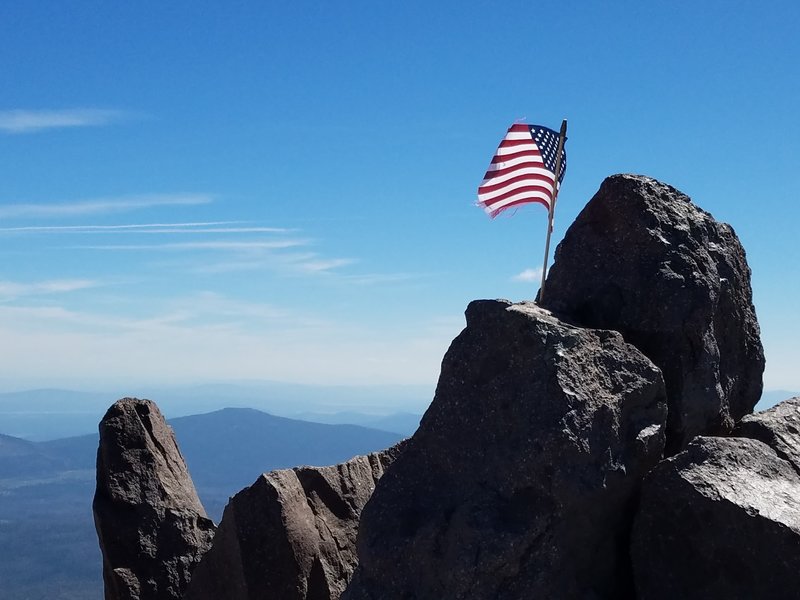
{"points": [[291, 535], [720, 520], [518, 482], [643, 260], [149, 520], [777, 427]]}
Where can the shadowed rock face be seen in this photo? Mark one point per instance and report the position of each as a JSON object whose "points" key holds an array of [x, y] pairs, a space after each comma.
{"points": [[291, 535], [719, 520], [519, 481], [643, 260], [149, 520]]}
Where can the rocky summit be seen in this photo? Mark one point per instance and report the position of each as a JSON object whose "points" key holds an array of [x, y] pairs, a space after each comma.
{"points": [[520, 480], [150, 523], [598, 446], [642, 259]]}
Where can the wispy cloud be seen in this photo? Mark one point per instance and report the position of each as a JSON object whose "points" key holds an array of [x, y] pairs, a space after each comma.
{"points": [[209, 245], [215, 306], [252, 254], [381, 278], [32, 121], [14, 289], [210, 230], [528, 275], [102, 205], [286, 263], [155, 228], [190, 339], [312, 263], [324, 265]]}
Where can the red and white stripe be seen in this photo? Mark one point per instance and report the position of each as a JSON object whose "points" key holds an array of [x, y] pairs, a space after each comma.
{"points": [[516, 175]]}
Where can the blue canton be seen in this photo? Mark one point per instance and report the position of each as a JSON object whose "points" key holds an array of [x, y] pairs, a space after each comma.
{"points": [[547, 140]]}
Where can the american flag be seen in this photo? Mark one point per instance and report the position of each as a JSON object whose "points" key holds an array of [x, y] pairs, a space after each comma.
{"points": [[522, 169]]}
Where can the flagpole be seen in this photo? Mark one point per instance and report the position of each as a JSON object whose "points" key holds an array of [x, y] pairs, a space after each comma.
{"points": [[561, 138]]}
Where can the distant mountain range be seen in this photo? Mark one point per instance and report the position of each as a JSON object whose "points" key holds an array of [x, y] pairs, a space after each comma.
{"points": [[231, 447], [405, 423], [48, 414], [46, 488]]}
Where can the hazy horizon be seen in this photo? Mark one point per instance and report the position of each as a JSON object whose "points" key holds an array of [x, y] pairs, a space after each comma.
{"points": [[48, 414]]}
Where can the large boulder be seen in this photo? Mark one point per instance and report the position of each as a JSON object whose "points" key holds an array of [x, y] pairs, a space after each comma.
{"points": [[720, 520], [778, 427], [519, 481], [643, 260], [149, 520], [291, 535]]}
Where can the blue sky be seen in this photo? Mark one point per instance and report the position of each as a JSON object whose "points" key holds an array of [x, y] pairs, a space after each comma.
{"points": [[197, 191]]}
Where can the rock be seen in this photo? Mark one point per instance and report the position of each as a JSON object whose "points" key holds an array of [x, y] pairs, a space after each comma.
{"points": [[778, 428], [643, 260], [519, 481], [720, 520], [291, 535], [149, 520]]}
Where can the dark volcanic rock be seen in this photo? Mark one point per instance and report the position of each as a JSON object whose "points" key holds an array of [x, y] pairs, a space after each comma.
{"points": [[150, 523], [777, 427], [643, 260], [720, 520], [519, 481], [291, 535]]}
